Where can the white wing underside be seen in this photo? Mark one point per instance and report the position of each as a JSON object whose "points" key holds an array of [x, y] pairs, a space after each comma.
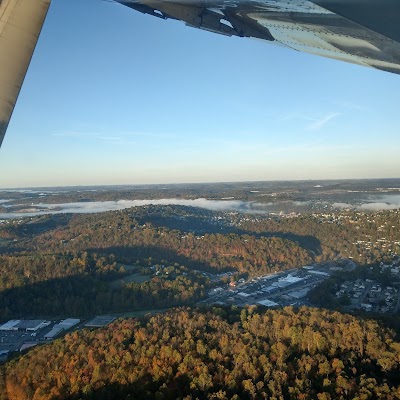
{"points": [[364, 32]]}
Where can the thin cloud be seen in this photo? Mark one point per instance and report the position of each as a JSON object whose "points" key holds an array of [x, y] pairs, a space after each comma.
{"points": [[95, 136], [307, 148], [321, 122], [316, 123], [350, 106], [74, 134], [109, 138], [112, 135], [150, 135], [296, 115], [115, 140]]}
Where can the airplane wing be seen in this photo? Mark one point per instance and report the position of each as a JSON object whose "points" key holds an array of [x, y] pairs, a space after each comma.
{"points": [[365, 32], [20, 25]]}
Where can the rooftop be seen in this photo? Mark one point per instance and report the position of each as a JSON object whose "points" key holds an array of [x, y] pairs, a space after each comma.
{"points": [[100, 321], [9, 325], [30, 324], [268, 303]]}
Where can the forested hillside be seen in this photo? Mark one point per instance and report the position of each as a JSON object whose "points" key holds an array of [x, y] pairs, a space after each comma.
{"points": [[84, 284], [120, 233], [366, 237], [62, 264], [214, 354], [252, 243]]}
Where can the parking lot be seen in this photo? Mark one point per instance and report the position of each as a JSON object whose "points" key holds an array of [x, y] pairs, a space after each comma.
{"points": [[13, 340]]}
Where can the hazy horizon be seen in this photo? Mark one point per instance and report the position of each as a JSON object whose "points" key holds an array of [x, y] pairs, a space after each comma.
{"points": [[109, 185], [240, 197]]}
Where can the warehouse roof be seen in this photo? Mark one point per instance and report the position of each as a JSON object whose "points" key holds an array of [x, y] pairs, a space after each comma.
{"points": [[31, 324], [69, 322], [54, 332], [100, 321], [268, 303], [9, 325]]}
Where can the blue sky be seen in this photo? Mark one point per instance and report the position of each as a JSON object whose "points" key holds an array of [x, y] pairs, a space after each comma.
{"points": [[116, 97]]}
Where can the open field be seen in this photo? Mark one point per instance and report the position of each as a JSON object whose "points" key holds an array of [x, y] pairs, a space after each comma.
{"points": [[136, 278]]}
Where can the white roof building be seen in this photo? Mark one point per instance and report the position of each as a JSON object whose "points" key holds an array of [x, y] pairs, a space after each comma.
{"points": [[10, 325], [62, 326], [319, 273], [291, 279], [54, 332], [69, 323], [28, 345], [286, 281], [100, 321], [32, 324], [267, 303], [298, 294]]}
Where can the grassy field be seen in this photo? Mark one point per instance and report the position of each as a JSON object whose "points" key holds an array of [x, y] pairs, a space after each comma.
{"points": [[129, 267], [136, 278]]}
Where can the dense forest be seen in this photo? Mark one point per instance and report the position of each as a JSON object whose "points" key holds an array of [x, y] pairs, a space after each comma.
{"points": [[125, 236], [83, 284], [56, 265], [252, 244], [214, 354]]}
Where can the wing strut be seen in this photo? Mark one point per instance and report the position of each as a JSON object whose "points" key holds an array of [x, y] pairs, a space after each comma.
{"points": [[20, 25]]}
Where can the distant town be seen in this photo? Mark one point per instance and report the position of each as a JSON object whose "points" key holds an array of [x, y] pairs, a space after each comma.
{"points": [[292, 287]]}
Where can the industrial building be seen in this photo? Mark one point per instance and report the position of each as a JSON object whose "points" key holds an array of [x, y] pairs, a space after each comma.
{"points": [[100, 321], [244, 295], [299, 294], [10, 325], [31, 325], [319, 273], [267, 303], [62, 326], [54, 332], [28, 345], [287, 281], [69, 323]]}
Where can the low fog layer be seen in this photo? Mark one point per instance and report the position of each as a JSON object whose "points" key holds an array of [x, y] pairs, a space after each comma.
{"points": [[100, 206], [370, 203], [374, 203]]}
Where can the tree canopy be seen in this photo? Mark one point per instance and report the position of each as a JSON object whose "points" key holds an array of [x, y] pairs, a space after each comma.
{"points": [[215, 354]]}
